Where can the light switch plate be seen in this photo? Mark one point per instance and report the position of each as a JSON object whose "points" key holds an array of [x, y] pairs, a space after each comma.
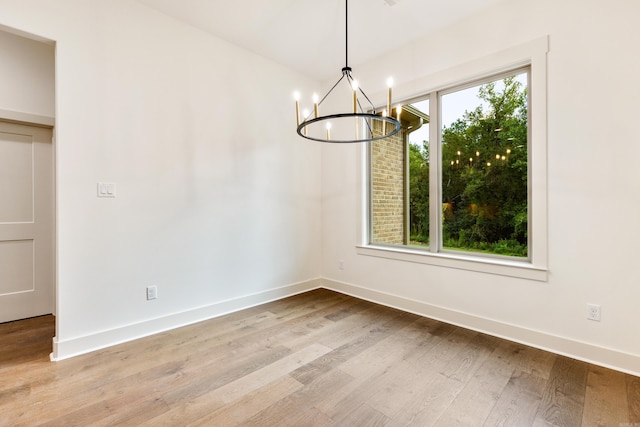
{"points": [[106, 189]]}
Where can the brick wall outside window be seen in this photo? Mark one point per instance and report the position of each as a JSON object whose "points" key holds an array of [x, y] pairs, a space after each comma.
{"points": [[388, 189]]}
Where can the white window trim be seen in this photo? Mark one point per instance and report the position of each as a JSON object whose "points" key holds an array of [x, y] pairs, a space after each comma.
{"points": [[533, 54]]}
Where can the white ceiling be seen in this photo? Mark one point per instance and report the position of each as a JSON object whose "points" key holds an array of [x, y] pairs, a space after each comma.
{"points": [[309, 35]]}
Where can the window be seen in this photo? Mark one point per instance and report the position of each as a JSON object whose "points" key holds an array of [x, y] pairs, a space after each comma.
{"points": [[458, 186], [483, 184]]}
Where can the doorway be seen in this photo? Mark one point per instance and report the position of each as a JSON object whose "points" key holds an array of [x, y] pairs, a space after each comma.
{"points": [[27, 245]]}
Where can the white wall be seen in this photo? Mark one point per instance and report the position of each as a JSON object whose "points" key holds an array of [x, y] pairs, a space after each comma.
{"points": [[593, 155], [218, 203]]}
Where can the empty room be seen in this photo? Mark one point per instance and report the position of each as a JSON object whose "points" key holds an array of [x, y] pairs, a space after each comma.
{"points": [[319, 212]]}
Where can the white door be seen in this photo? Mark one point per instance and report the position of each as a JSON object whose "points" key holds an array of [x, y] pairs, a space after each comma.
{"points": [[26, 222]]}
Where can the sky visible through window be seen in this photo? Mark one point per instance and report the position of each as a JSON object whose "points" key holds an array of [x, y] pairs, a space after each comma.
{"points": [[457, 104]]}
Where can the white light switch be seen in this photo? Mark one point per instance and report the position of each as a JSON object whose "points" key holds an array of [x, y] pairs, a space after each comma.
{"points": [[106, 189]]}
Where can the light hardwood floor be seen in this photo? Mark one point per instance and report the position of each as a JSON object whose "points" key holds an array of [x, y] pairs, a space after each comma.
{"points": [[315, 359]]}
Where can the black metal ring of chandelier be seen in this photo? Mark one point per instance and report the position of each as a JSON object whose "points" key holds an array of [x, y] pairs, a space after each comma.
{"points": [[369, 117]]}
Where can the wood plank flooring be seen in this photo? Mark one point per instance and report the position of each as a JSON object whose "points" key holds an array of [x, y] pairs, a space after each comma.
{"points": [[316, 359]]}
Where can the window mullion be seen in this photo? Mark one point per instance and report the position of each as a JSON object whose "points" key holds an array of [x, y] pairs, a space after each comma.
{"points": [[435, 175]]}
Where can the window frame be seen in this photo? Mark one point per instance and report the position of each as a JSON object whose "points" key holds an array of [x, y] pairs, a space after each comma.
{"points": [[531, 56]]}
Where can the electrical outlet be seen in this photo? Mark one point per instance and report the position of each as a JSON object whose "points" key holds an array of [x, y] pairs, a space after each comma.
{"points": [[593, 312], [152, 292], [341, 264]]}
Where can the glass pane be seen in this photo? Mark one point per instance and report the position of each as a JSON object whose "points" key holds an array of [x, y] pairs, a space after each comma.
{"points": [[419, 179], [388, 185], [400, 181], [484, 168]]}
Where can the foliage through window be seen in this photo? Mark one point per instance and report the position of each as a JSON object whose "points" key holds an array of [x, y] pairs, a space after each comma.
{"points": [[479, 165]]}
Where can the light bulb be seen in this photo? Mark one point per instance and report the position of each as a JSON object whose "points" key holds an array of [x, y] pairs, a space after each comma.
{"points": [[296, 95], [354, 85], [389, 81]]}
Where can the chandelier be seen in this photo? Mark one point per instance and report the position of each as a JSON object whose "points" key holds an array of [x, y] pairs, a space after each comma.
{"points": [[362, 123]]}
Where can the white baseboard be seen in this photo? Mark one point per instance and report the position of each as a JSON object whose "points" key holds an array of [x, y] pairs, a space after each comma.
{"points": [[608, 358], [586, 352], [86, 344]]}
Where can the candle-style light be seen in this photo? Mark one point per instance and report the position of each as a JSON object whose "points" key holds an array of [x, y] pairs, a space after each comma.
{"points": [[305, 113], [354, 85], [398, 112], [296, 96], [328, 131], [384, 124], [315, 105], [389, 85]]}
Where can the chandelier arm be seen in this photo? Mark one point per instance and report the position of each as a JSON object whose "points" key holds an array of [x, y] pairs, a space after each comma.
{"points": [[368, 100], [368, 123], [373, 110], [350, 79], [331, 90]]}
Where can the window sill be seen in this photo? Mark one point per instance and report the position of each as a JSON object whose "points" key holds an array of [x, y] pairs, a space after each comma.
{"points": [[503, 267]]}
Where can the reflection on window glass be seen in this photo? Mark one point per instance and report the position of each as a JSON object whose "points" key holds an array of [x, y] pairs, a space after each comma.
{"points": [[484, 168]]}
